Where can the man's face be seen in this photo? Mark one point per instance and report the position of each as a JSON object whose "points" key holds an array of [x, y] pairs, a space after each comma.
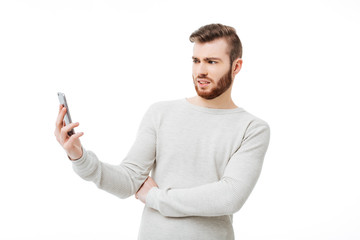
{"points": [[211, 71]]}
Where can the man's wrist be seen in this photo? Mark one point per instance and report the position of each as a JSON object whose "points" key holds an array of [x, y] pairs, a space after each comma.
{"points": [[75, 159], [80, 158]]}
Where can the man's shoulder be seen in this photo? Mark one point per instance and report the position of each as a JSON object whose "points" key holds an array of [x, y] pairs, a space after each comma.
{"points": [[251, 120], [253, 117]]}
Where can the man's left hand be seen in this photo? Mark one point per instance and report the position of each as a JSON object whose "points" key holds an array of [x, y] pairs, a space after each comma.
{"points": [[145, 188]]}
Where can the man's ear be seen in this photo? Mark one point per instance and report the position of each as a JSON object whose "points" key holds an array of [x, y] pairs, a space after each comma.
{"points": [[237, 66]]}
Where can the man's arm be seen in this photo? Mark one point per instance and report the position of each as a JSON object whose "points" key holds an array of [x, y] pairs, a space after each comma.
{"points": [[226, 196], [125, 179]]}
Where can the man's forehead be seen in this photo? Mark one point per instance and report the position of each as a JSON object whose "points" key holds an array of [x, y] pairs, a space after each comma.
{"points": [[215, 49]]}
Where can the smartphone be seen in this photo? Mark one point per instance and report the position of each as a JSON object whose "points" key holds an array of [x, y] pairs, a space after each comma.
{"points": [[67, 118]]}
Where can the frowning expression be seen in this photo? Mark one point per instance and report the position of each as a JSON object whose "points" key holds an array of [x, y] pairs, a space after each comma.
{"points": [[212, 72]]}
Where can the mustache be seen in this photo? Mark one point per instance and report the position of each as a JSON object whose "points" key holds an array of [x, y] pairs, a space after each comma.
{"points": [[203, 77]]}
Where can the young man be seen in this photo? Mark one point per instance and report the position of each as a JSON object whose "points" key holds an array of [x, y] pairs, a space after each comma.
{"points": [[204, 153]]}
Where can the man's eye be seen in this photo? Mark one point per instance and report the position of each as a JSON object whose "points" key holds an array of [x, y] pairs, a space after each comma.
{"points": [[212, 62], [195, 61]]}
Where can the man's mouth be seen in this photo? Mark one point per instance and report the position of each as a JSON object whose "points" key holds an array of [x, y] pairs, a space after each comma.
{"points": [[203, 83]]}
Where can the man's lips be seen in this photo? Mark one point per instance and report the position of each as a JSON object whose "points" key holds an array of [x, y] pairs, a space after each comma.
{"points": [[203, 82]]}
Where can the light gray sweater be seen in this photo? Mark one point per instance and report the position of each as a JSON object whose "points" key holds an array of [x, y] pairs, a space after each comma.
{"points": [[205, 161]]}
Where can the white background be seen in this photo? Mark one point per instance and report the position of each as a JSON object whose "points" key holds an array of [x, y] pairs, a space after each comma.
{"points": [[114, 58]]}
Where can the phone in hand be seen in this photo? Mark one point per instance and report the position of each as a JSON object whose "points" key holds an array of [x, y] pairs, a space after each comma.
{"points": [[67, 118]]}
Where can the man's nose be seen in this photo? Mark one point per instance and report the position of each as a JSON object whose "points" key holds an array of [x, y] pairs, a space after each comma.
{"points": [[202, 70]]}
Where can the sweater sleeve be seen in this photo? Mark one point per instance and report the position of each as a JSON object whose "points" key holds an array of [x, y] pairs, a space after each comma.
{"points": [[225, 196], [125, 179]]}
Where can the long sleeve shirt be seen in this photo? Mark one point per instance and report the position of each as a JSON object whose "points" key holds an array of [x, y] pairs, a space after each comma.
{"points": [[205, 161]]}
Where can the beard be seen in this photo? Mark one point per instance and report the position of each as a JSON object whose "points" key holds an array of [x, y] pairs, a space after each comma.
{"points": [[223, 85]]}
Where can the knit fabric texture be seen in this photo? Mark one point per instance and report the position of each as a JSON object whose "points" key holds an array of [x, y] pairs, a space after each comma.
{"points": [[205, 161]]}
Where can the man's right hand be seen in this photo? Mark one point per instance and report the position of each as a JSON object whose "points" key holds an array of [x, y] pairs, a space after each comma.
{"points": [[71, 144]]}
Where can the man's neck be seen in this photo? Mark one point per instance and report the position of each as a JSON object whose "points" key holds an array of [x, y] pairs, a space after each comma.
{"points": [[220, 102]]}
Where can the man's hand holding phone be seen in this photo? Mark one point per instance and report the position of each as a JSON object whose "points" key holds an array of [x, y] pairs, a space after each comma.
{"points": [[71, 144]]}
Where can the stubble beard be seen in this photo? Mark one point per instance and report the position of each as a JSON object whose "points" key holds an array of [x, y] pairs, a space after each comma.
{"points": [[223, 85]]}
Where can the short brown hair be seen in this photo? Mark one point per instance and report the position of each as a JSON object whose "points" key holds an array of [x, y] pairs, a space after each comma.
{"points": [[212, 32]]}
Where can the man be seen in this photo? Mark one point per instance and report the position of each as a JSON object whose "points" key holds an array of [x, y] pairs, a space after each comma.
{"points": [[204, 153]]}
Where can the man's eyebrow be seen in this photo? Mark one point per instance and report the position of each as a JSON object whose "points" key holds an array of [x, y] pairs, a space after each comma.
{"points": [[209, 58], [212, 59]]}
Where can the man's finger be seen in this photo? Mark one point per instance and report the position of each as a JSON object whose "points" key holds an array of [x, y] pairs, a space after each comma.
{"points": [[64, 130], [69, 127], [60, 117], [58, 123], [74, 137]]}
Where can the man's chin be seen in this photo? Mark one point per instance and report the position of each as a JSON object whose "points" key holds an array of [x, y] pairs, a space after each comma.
{"points": [[208, 96]]}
